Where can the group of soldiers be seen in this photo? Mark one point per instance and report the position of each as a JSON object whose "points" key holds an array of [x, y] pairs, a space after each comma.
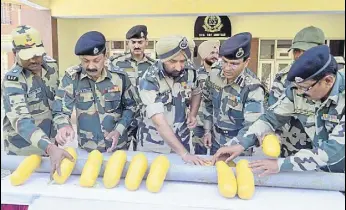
{"points": [[168, 105]]}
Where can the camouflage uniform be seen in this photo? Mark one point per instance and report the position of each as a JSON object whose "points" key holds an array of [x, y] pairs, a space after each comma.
{"points": [[199, 130], [101, 106], [163, 94], [323, 122], [231, 108], [134, 70], [27, 98], [293, 137]]}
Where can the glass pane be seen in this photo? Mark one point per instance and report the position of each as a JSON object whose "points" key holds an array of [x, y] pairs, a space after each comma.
{"points": [[266, 74], [150, 45], [118, 45], [337, 47], [282, 66], [267, 49], [284, 43]]}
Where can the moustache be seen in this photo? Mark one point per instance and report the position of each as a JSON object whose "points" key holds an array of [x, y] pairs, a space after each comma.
{"points": [[137, 48], [91, 70]]}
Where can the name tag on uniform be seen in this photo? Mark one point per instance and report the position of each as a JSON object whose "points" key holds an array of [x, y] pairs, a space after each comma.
{"points": [[112, 89], [34, 92], [331, 118], [85, 90]]}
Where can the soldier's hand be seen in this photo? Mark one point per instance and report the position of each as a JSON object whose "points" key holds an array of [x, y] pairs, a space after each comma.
{"points": [[267, 167], [114, 137], [193, 159], [65, 134], [191, 122], [56, 155], [207, 139], [227, 153]]}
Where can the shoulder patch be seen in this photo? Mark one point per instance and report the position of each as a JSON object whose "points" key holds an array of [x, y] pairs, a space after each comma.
{"points": [[11, 78], [14, 73]]}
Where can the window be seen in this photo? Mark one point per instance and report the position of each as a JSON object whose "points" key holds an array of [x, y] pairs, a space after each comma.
{"points": [[267, 49], [5, 13], [282, 49], [117, 45]]}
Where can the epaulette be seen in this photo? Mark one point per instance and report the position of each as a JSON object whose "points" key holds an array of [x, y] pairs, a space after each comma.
{"points": [[152, 72], [49, 59], [114, 57], [14, 73], [150, 59], [115, 69], [73, 70]]}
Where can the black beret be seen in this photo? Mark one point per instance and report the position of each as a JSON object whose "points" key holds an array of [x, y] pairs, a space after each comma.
{"points": [[137, 32], [311, 63], [90, 43], [237, 46]]}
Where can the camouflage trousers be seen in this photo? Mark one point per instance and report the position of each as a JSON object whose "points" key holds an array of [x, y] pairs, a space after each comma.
{"points": [[198, 142]]}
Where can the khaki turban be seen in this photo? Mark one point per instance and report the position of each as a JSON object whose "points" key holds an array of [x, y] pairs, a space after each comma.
{"points": [[192, 46], [205, 48], [169, 47]]}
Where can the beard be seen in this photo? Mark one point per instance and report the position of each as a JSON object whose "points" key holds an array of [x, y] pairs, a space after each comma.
{"points": [[175, 73], [210, 62]]}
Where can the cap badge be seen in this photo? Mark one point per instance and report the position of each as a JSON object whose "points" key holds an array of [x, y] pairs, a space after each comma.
{"points": [[240, 53], [183, 44], [142, 34], [96, 50], [28, 40], [298, 79]]}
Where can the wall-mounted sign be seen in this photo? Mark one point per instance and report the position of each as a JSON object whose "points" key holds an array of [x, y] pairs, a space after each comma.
{"points": [[213, 26]]}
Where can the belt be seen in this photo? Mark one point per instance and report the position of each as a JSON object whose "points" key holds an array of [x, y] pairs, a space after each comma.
{"points": [[226, 132]]}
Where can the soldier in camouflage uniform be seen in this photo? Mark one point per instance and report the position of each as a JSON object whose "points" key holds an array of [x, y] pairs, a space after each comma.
{"points": [[167, 90], [233, 95], [209, 53], [317, 99], [102, 95], [135, 63], [292, 134], [29, 89]]}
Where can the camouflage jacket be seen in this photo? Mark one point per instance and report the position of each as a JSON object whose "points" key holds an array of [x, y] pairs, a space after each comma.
{"points": [[101, 106], [163, 94], [324, 123], [28, 100], [202, 77], [293, 136], [232, 107], [134, 69]]}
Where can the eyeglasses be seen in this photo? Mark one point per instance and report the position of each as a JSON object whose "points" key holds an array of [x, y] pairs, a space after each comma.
{"points": [[304, 88]]}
